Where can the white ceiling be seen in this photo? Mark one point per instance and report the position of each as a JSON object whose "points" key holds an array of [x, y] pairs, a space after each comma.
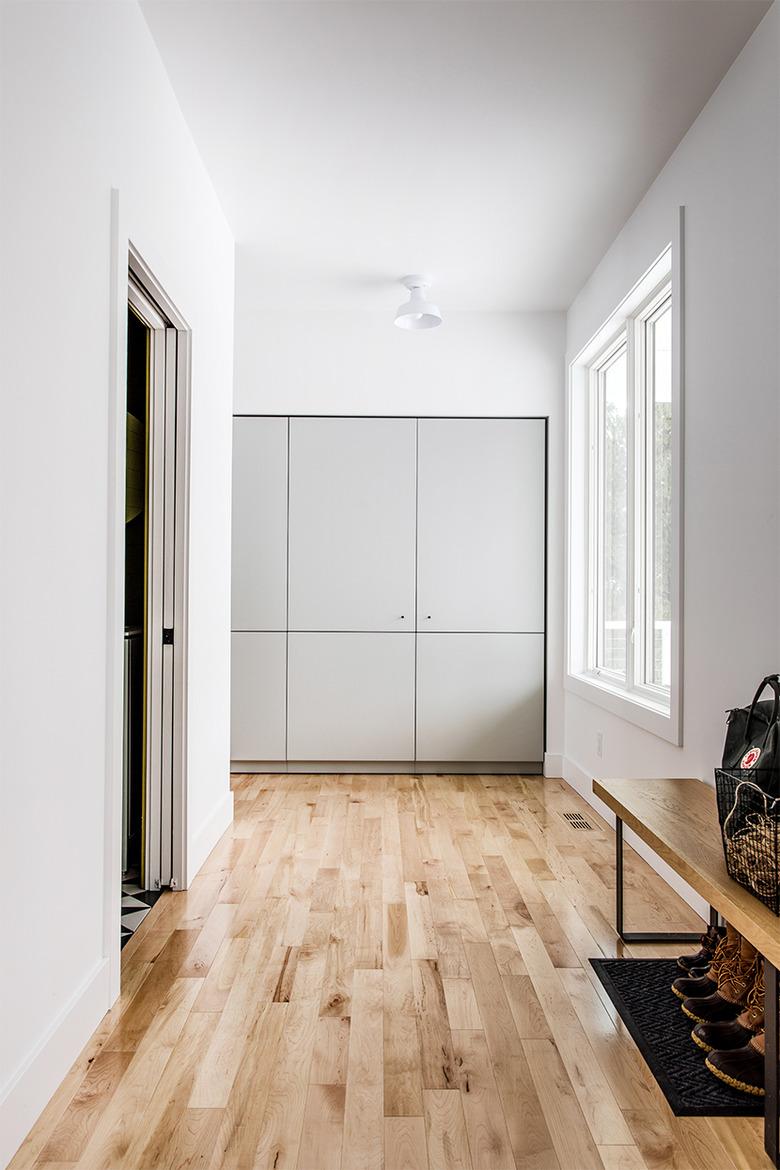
{"points": [[500, 146]]}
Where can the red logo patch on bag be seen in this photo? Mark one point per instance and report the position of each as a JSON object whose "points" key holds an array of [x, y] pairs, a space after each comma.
{"points": [[750, 759]]}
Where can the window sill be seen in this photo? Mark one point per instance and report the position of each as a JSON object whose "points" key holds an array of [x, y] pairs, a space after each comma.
{"points": [[639, 710]]}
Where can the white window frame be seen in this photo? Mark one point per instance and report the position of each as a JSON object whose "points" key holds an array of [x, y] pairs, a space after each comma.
{"points": [[651, 707]]}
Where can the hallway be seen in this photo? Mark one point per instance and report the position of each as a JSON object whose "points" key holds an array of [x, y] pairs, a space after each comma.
{"points": [[384, 971]]}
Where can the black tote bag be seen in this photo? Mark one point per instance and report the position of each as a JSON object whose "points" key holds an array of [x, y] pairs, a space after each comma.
{"points": [[753, 738]]}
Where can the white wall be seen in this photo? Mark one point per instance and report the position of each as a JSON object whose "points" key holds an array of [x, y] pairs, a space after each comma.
{"points": [[725, 172], [359, 363], [86, 105]]}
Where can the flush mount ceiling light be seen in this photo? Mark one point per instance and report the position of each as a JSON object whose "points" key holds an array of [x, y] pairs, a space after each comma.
{"points": [[417, 313]]}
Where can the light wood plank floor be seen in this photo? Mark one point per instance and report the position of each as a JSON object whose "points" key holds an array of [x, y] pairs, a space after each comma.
{"points": [[384, 972]]}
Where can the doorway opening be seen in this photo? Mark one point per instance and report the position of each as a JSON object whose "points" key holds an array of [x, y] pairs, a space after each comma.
{"points": [[156, 480]]}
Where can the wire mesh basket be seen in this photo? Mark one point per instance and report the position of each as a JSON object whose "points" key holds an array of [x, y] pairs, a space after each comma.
{"points": [[750, 828]]}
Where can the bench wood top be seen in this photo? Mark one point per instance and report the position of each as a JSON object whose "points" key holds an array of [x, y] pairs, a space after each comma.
{"points": [[678, 819]]}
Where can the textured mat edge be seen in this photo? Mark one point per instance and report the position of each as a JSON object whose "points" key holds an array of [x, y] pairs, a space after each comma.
{"points": [[751, 1108]]}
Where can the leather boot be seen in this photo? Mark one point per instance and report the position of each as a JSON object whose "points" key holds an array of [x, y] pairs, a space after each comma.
{"points": [[742, 1068], [735, 982], [703, 957], [725, 952], [697, 986], [735, 1033]]}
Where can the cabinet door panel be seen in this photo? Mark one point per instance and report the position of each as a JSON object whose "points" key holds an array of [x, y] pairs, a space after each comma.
{"points": [[259, 582], [257, 698], [351, 697], [481, 520], [480, 697], [352, 521]]}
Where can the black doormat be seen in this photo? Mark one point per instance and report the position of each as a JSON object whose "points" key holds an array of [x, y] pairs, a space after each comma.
{"points": [[641, 991]]}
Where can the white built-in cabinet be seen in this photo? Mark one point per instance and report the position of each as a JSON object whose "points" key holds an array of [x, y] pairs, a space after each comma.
{"points": [[259, 577], [258, 705], [388, 591], [351, 696], [480, 697], [352, 523], [480, 526]]}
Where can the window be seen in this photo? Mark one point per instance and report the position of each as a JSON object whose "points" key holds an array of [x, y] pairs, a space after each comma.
{"points": [[631, 494], [624, 510]]}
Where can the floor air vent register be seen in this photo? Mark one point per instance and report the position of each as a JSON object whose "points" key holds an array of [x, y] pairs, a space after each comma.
{"points": [[577, 820]]}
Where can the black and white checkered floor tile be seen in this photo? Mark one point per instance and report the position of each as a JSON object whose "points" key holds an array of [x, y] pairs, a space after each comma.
{"points": [[136, 904]]}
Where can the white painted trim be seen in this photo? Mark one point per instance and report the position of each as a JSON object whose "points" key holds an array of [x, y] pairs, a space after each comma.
{"points": [[625, 704], [553, 765], [178, 367], [181, 618], [203, 840], [117, 397], [582, 783], [678, 469], [32, 1084], [157, 743]]}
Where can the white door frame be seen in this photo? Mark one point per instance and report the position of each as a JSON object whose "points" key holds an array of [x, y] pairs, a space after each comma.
{"points": [[160, 575], [165, 755], [172, 356]]}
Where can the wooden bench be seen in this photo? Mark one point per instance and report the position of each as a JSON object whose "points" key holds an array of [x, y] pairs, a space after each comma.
{"points": [[678, 819]]}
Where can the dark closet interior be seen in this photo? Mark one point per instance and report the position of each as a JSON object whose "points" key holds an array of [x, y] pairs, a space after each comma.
{"points": [[136, 543]]}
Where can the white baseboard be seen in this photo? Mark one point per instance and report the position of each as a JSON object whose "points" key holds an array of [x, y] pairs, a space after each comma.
{"points": [[27, 1091], [383, 767], [553, 765], [206, 837], [582, 783]]}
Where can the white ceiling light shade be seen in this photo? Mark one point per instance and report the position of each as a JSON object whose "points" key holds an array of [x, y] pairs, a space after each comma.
{"points": [[417, 312]]}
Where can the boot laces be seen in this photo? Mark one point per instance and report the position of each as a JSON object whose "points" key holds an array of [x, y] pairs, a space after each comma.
{"points": [[755, 1001], [740, 978], [726, 957]]}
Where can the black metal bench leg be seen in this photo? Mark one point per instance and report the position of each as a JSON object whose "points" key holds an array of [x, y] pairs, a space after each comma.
{"points": [[770, 1063], [638, 935]]}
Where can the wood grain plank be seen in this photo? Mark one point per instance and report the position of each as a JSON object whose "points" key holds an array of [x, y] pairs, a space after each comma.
{"points": [[402, 1066], [438, 1061], [571, 1139], [118, 1126], [622, 1158], [405, 1144], [69, 1139], [244, 1115], [445, 1130], [462, 1009], [485, 1122], [158, 1141], [331, 1051], [280, 1134], [323, 1128], [364, 1107]]}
